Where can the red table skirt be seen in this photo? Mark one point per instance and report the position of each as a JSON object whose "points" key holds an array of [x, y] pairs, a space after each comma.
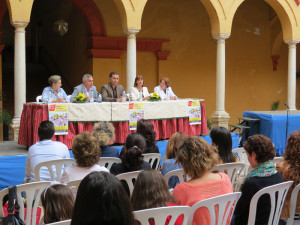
{"points": [[34, 114]]}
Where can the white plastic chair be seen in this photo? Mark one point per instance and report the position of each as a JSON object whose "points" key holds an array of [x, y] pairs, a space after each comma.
{"points": [[108, 161], [161, 214], [178, 173], [152, 158], [58, 164], [293, 205], [130, 178], [64, 222], [33, 193], [277, 160], [226, 204], [73, 185], [277, 195], [233, 170], [39, 98]]}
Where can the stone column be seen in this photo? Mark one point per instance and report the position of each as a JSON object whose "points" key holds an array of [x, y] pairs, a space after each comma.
{"points": [[220, 117], [19, 75], [291, 88], [131, 56]]}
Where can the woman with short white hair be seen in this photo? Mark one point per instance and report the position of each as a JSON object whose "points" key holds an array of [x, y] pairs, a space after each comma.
{"points": [[54, 93]]}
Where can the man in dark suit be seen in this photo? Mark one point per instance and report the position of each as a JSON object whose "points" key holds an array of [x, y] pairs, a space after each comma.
{"points": [[87, 88], [112, 92]]}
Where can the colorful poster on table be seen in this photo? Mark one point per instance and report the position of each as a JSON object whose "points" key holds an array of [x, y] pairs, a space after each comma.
{"points": [[58, 114], [136, 113], [194, 112]]}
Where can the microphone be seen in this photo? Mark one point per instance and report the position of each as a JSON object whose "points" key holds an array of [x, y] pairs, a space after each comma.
{"points": [[286, 105]]}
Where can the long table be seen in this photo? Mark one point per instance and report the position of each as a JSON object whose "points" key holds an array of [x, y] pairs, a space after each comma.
{"points": [[273, 125], [167, 118]]}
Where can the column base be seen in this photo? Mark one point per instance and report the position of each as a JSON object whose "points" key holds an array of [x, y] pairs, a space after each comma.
{"points": [[220, 118], [15, 126]]}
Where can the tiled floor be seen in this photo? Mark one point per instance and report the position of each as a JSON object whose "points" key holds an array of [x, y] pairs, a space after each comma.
{"points": [[9, 148]]}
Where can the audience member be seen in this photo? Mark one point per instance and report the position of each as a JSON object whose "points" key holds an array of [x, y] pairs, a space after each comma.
{"points": [[290, 170], [197, 157], [58, 202], [86, 153], [132, 155], [221, 139], [54, 93], [44, 150], [260, 150], [146, 129], [105, 133], [164, 90], [101, 199], [151, 191], [87, 88], [112, 91], [170, 164], [134, 92]]}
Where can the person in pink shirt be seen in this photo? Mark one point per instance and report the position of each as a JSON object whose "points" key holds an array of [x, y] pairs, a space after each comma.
{"points": [[197, 157]]}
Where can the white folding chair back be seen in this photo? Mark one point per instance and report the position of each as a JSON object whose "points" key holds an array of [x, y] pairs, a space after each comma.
{"points": [[58, 164], [161, 214], [277, 195], [226, 204], [233, 170], [73, 185], [130, 178], [164, 159], [243, 159], [33, 195], [294, 198], [108, 161], [277, 160], [152, 158], [38, 98], [64, 222], [179, 173]]}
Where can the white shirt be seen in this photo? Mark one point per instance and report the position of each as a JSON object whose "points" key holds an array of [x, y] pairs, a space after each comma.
{"points": [[169, 93], [134, 93], [44, 151]]}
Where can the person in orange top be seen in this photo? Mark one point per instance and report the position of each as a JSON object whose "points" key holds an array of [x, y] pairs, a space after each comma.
{"points": [[197, 157], [151, 191]]}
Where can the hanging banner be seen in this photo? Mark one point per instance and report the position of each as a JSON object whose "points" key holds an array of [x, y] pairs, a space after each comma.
{"points": [[194, 112], [136, 113], [58, 115]]}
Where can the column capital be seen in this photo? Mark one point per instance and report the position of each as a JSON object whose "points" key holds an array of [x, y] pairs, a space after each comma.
{"points": [[221, 37], [292, 42], [131, 31], [19, 25]]}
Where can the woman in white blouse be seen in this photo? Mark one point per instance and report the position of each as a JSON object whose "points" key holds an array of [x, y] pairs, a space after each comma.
{"points": [[134, 92], [164, 90]]}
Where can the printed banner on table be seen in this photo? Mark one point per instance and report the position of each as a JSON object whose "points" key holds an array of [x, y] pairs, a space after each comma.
{"points": [[136, 113], [58, 114], [194, 112]]}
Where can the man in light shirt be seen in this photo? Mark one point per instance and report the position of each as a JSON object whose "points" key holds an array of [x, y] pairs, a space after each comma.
{"points": [[87, 88], [44, 150]]}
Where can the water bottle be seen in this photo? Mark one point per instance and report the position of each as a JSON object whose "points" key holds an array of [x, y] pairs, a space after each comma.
{"points": [[49, 97], [141, 95], [91, 96], [123, 96], [99, 99]]}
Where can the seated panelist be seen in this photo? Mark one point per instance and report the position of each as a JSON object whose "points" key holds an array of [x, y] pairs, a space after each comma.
{"points": [[87, 88], [134, 92], [54, 93], [112, 91], [164, 90]]}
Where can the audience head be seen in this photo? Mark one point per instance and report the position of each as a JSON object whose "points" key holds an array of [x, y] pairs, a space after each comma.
{"points": [[104, 133], [145, 128], [58, 203], [174, 143], [164, 83], [135, 139], [138, 78], [46, 130], [259, 149], [101, 199], [88, 81], [292, 155], [55, 80], [114, 78], [196, 156], [221, 138], [85, 149], [150, 191]]}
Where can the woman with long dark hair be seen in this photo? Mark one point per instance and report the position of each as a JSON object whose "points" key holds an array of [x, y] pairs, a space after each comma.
{"points": [[145, 128]]}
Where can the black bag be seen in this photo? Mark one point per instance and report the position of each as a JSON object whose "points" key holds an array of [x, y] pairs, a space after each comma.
{"points": [[13, 217]]}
